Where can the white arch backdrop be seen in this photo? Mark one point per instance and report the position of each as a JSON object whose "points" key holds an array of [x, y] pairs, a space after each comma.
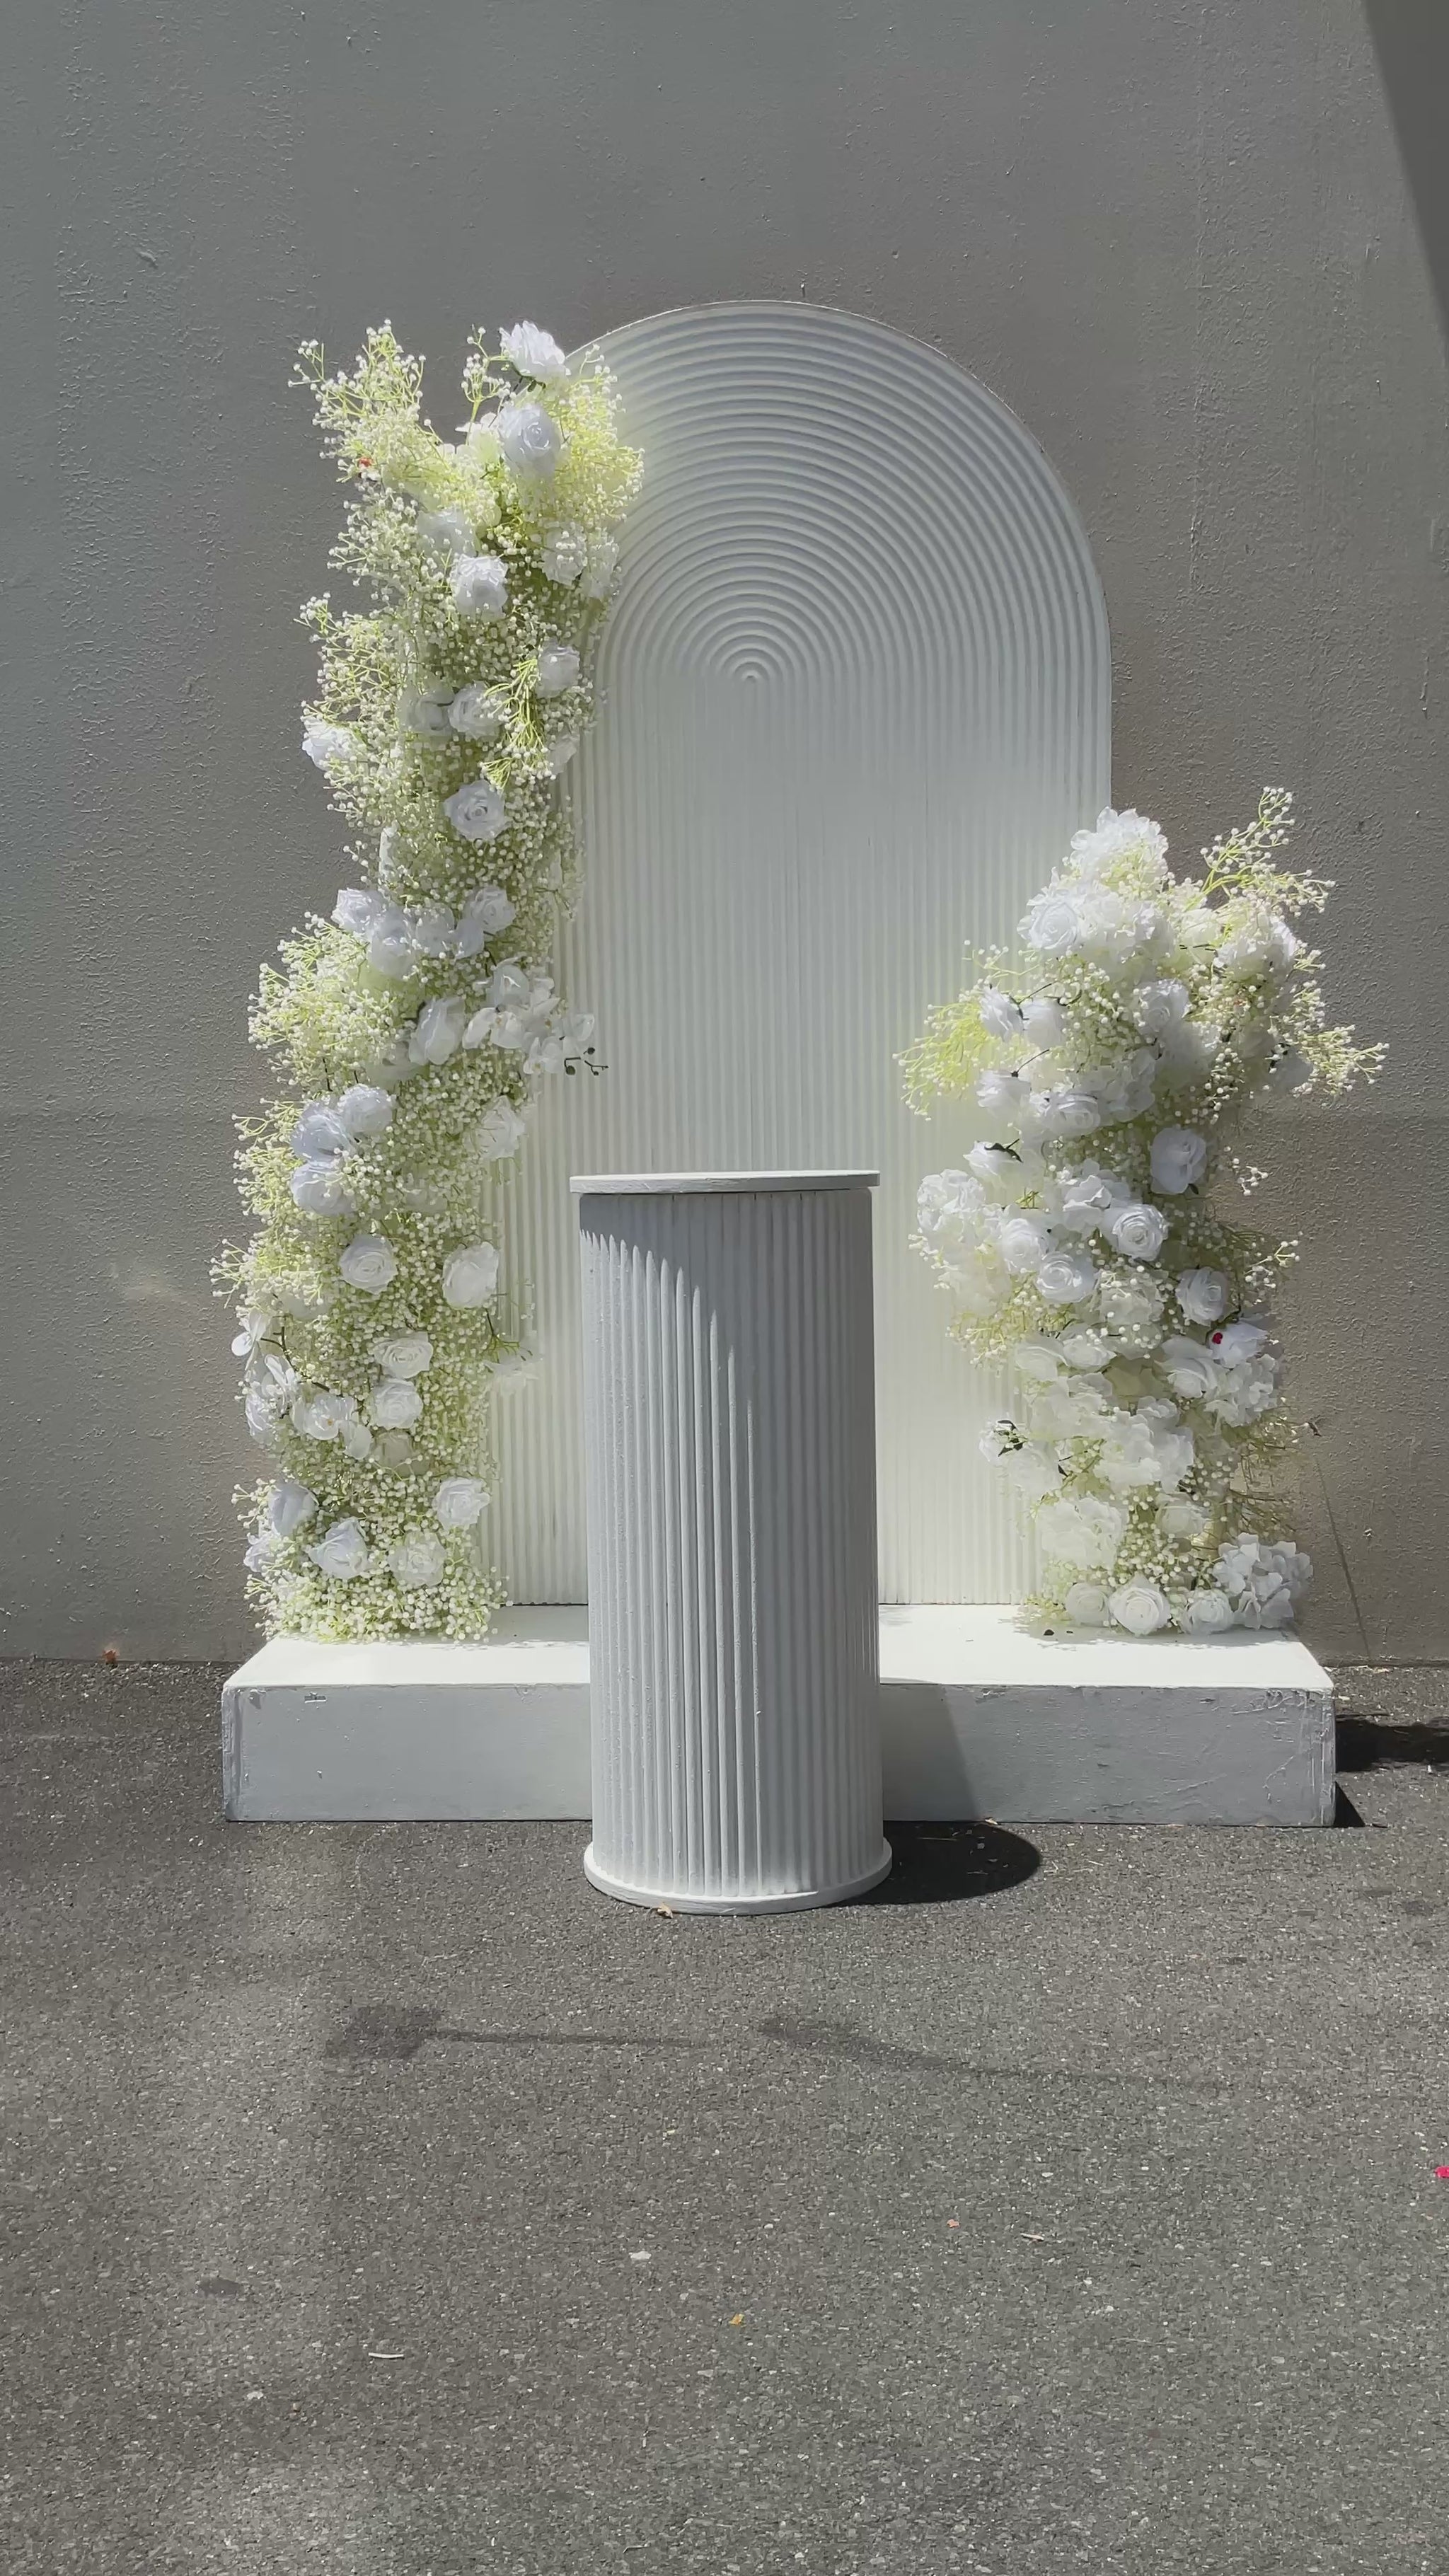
{"points": [[856, 696]]}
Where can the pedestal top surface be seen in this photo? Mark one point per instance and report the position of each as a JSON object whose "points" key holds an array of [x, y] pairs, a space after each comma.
{"points": [[633, 1185]]}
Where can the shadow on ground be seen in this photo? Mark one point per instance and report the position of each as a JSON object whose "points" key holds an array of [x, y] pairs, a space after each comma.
{"points": [[1371, 1743], [935, 1864]]}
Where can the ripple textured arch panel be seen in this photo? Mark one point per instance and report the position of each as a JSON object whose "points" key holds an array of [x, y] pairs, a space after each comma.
{"points": [[855, 698]]}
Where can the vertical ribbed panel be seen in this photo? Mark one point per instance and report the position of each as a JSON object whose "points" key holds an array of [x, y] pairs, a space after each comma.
{"points": [[855, 700], [730, 1439]]}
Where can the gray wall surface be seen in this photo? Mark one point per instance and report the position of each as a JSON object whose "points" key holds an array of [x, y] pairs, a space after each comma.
{"points": [[1182, 242]]}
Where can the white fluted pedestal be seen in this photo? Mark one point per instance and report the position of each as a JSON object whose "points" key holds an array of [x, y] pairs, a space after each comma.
{"points": [[729, 1416]]}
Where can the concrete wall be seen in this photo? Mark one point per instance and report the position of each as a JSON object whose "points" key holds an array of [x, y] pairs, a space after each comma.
{"points": [[1179, 241]]}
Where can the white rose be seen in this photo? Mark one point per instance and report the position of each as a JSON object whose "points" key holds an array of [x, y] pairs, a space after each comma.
{"points": [[439, 1032], [369, 1262], [565, 555], [319, 1131], [327, 746], [448, 531], [486, 912], [480, 585], [997, 1163], [999, 1013], [1204, 1295], [1024, 1241], [1179, 1159], [1188, 1366], [364, 1110], [1067, 1111], [402, 1354], [460, 1501], [1000, 1091], [1084, 1531], [416, 1562], [530, 440], [393, 1450], [1043, 1022], [1084, 1349], [357, 908], [1140, 1607], [1066, 1278], [1187, 1050], [534, 353], [1207, 1612], [289, 1505], [479, 712], [343, 1552], [1138, 1232], [1086, 1605], [499, 1132], [355, 1437], [1032, 1470], [558, 670], [1155, 1008], [390, 950], [395, 1404], [1181, 1517], [318, 1189], [1087, 1199], [470, 1275], [477, 811], [322, 1416], [1041, 1362], [1244, 1340], [1053, 924], [560, 752]]}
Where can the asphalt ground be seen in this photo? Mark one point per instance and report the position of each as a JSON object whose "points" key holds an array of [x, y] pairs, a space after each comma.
{"points": [[381, 2200]]}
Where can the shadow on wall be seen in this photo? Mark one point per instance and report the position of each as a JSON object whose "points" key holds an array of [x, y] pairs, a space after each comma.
{"points": [[1411, 40]]}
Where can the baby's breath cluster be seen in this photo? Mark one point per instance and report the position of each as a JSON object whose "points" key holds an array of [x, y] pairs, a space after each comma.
{"points": [[412, 1028], [1081, 1244]]}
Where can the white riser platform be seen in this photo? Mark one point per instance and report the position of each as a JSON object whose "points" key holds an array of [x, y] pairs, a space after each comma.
{"points": [[977, 1718]]}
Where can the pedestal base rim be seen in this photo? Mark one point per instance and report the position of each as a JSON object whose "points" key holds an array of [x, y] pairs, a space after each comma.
{"points": [[794, 1901]]}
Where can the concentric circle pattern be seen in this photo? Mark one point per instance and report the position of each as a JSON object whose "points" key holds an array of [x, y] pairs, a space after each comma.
{"points": [[855, 697]]}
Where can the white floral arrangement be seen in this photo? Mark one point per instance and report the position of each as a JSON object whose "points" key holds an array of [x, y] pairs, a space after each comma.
{"points": [[413, 1027], [1081, 1243]]}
